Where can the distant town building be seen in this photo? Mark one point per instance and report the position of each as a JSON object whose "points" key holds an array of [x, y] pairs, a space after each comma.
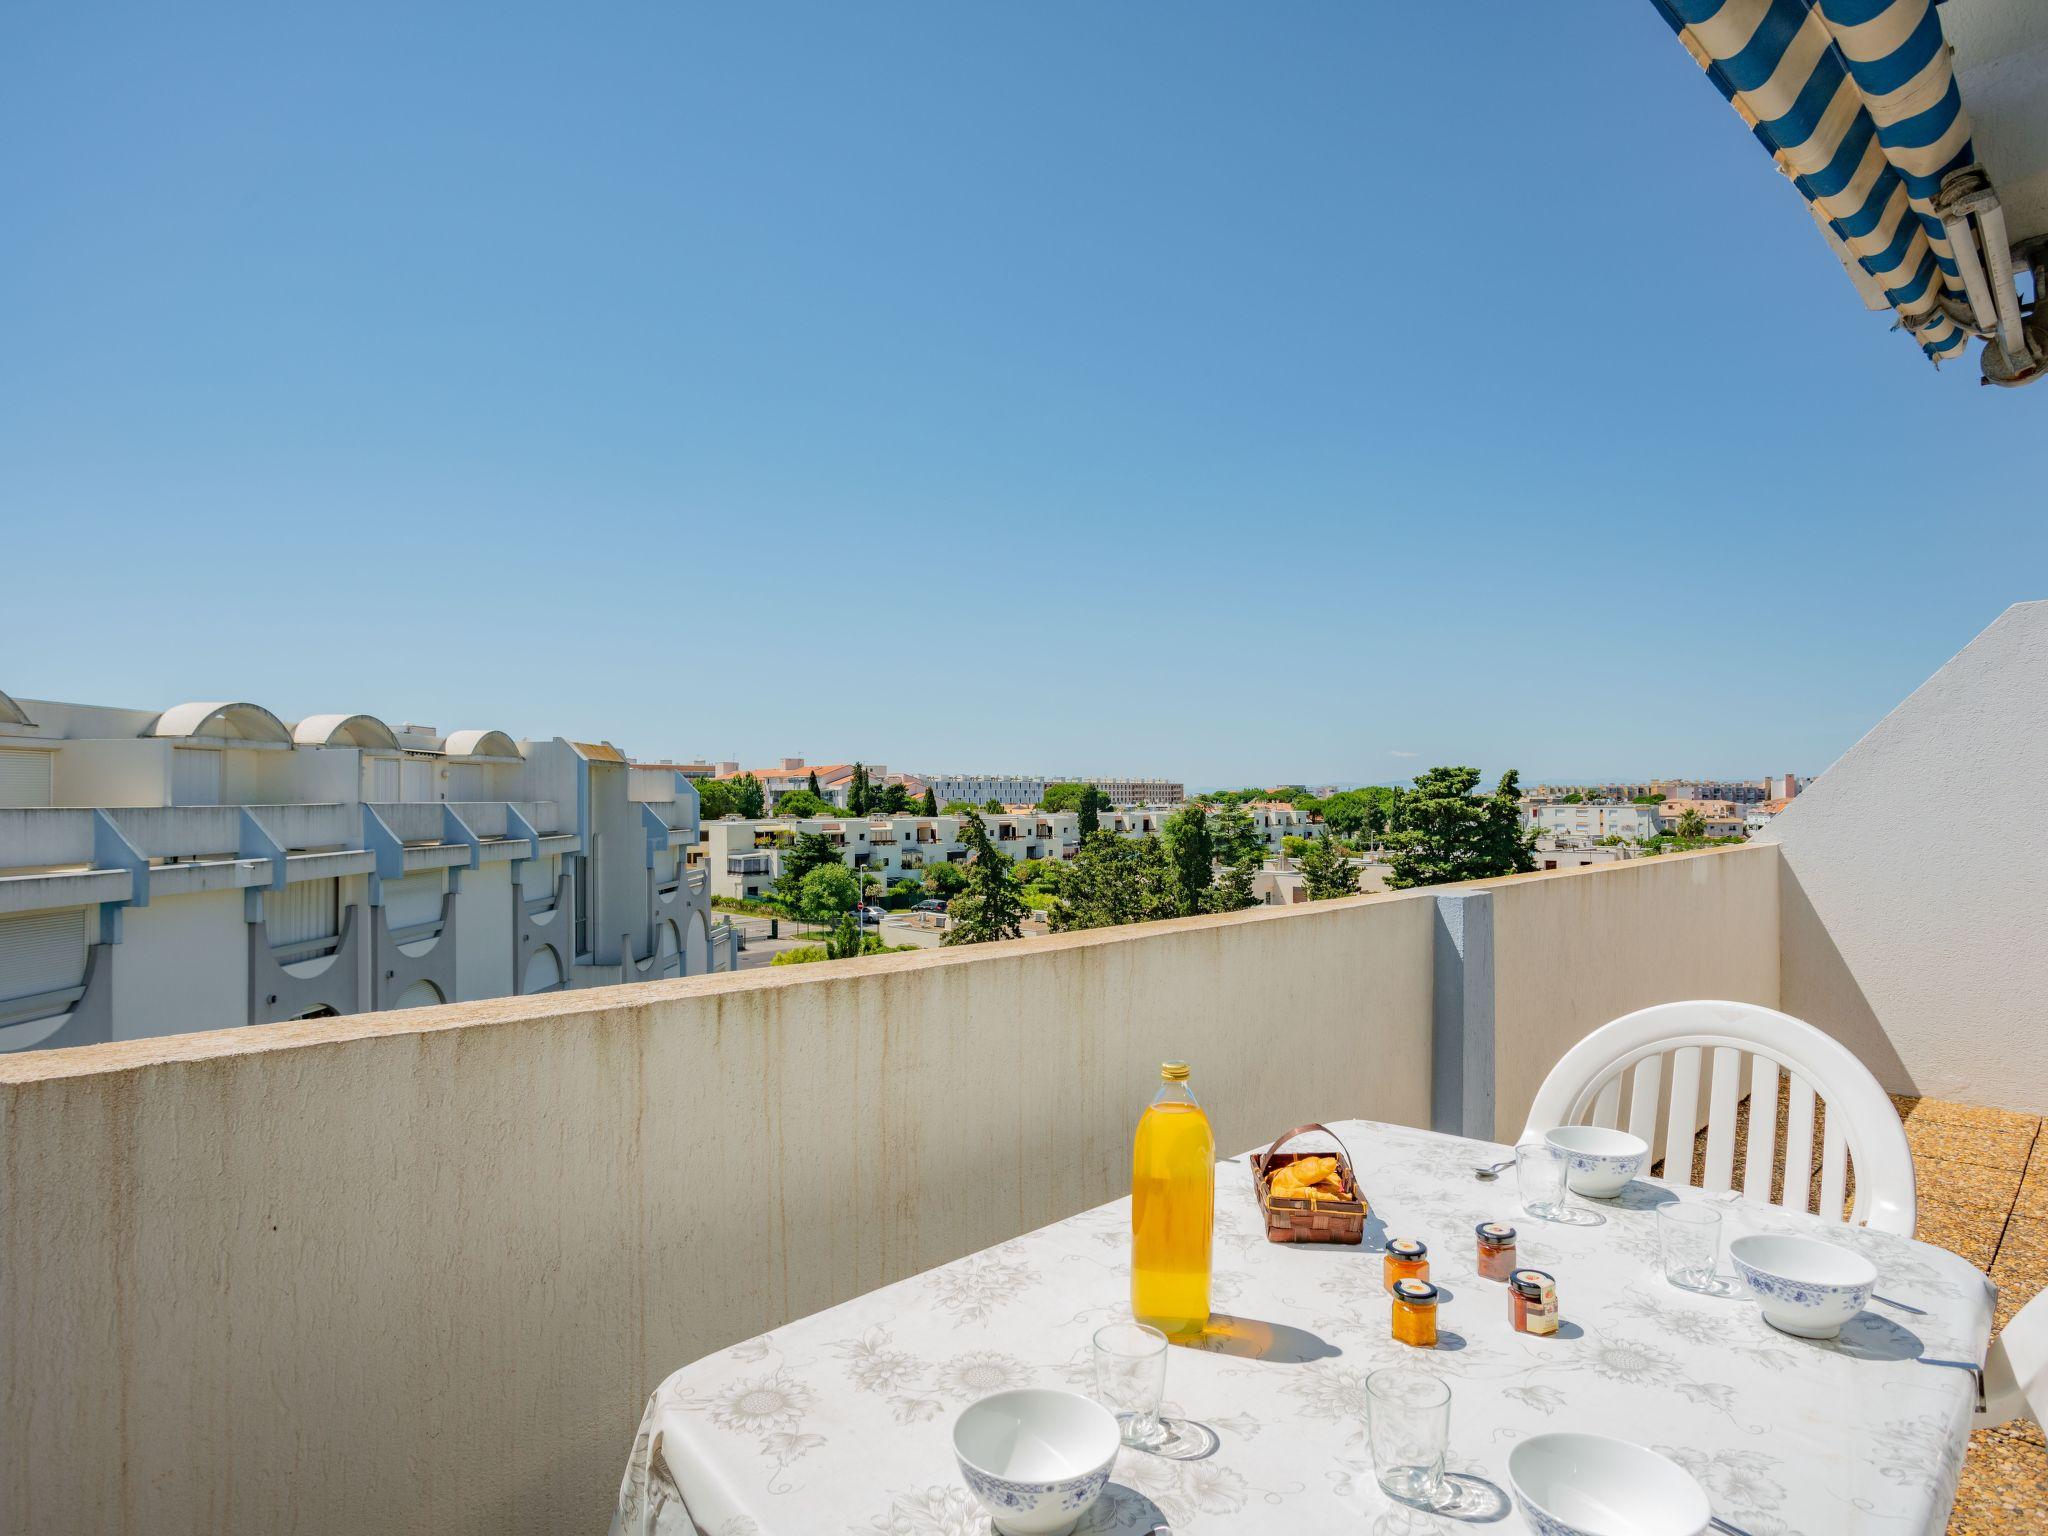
{"points": [[834, 779], [1136, 791], [980, 788], [182, 869], [1719, 818], [744, 858], [1590, 821]]}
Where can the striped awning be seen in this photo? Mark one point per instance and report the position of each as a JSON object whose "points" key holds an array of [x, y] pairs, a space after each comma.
{"points": [[1855, 100]]}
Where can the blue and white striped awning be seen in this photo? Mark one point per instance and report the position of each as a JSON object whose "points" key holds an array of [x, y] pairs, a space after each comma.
{"points": [[1857, 103]]}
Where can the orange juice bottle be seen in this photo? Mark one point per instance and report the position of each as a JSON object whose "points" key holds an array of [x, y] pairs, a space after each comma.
{"points": [[1173, 1209]]}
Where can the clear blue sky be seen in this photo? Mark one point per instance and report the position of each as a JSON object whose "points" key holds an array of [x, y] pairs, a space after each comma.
{"points": [[1228, 391]]}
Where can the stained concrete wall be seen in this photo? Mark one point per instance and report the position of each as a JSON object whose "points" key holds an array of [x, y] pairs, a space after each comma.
{"points": [[1931, 959], [1575, 949], [417, 1272]]}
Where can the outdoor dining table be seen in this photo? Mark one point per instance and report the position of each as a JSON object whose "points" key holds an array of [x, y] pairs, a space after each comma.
{"points": [[841, 1422]]}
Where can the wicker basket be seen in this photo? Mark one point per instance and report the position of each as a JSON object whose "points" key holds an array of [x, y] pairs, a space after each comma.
{"points": [[1309, 1221]]}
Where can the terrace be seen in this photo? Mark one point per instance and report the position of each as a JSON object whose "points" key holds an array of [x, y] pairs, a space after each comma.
{"points": [[421, 1269]]}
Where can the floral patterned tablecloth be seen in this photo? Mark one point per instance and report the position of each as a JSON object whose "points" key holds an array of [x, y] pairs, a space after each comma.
{"points": [[841, 1423]]}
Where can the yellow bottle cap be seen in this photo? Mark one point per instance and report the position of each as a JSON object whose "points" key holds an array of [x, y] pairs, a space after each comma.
{"points": [[1174, 1071]]}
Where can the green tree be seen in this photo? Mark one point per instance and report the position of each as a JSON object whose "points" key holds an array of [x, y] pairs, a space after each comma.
{"points": [[945, 880], [1234, 837], [895, 801], [1574, 798], [1691, 824], [1449, 833], [1089, 808], [1325, 872], [1231, 891], [1063, 797], [812, 784], [845, 942], [990, 908], [714, 799], [1294, 847], [1193, 854], [857, 792], [1115, 880], [993, 806], [1358, 812], [826, 894], [807, 852], [801, 802], [931, 802], [962, 808], [747, 799]]}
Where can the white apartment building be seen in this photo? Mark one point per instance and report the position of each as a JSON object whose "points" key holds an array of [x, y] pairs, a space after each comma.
{"points": [[744, 858], [162, 872], [980, 788], [1592, 822], [834, 779]]}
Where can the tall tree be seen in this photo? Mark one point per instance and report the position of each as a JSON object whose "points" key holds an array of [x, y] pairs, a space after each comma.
{"points": [[1089, 809], [857, 791], [893, 801], [826, 893], [1691, 824], [1234, 837], [1193, 856], [1326, 872], [1115, 880], [1063, 797], [931, 802], [747, 799], [1450, 833], [990, 907], [1231, 891], [714, 799], [808, 851], [812, 785], [801, 802]]}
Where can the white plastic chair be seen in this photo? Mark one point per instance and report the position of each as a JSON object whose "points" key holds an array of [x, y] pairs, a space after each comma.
{"points": [[1861, 1124], [2016, 1370]]}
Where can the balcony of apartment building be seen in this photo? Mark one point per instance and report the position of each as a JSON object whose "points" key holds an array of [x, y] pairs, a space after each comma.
{"points": [[213, 1309]]}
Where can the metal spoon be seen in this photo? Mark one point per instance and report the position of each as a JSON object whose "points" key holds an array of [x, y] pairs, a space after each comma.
{"points": [[1492, 1170], [1722, 1525]]}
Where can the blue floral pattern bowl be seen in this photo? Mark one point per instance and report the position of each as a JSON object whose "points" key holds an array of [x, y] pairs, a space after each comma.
{"points": [[1590, 1485], [1037, 1458], [1599, 1161], [1805, 1286]]}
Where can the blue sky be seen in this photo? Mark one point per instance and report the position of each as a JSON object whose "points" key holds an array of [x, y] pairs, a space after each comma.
{"points": [[1225, 391]]}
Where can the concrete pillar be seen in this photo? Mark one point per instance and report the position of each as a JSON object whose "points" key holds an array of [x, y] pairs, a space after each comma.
{"points": [[1461, 1081]]}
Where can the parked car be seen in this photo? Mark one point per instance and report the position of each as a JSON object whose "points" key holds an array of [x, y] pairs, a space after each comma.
{"points": [[930, 904], [871, 915]]}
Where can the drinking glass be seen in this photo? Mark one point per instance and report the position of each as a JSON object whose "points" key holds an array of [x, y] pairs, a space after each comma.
{"points": [[1130, 1378], [1689, 1238], [1540, 1171], [1408, 1420]]}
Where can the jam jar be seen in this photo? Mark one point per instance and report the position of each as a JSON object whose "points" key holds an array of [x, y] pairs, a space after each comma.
{"points": [[1407, 1259], [1496, 1250], [1414, 1316]]}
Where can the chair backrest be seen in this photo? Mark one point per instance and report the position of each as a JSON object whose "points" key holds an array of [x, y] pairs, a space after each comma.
{"points": [[2016, 1370], [1659, 1054]]}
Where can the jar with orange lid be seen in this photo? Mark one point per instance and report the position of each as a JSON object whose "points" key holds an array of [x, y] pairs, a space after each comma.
{"points": [[1414, 1313], [1407, 1259]]}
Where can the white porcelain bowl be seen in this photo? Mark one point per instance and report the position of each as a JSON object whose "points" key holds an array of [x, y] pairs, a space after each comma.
{"points": [[1589, 1485], [1601, 1160], [1805, 1286], [1036, 1458]]}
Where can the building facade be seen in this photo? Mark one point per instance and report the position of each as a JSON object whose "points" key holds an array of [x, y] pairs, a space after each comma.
{"points": [[744, 858], [167, 871], [1590, 821], [980, 788], [1136, 791]]}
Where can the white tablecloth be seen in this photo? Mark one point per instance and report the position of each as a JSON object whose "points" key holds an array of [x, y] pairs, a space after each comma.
{"points": [[841, 1422]]}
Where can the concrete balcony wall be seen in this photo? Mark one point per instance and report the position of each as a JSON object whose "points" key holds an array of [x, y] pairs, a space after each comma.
{"points": [[418, 1271], [1575, 949]]}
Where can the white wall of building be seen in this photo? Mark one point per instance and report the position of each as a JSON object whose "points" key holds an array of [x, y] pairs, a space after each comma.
{"points": [[1912, 960]]}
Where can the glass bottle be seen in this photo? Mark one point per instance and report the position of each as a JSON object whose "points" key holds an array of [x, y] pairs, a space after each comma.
{"points": [[1173, 1209]]}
